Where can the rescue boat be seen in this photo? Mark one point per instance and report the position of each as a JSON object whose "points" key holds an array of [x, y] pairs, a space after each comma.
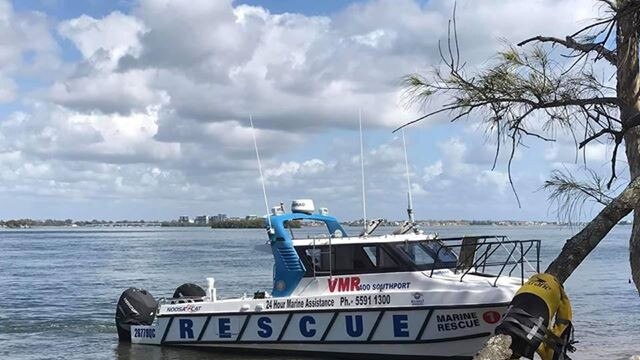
{"points": [[393, 295]]}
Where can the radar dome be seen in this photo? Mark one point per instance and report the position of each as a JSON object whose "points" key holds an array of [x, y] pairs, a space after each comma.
{"points": [[304, 206]]}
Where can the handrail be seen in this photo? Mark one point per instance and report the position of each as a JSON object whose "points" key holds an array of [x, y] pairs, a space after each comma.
{"points": [[485, 251], [523, 255], [504, 264], [315, 271], [484, 263]]}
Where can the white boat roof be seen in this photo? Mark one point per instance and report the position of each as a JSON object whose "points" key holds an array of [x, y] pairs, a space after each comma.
{"points": [[389, 238]]}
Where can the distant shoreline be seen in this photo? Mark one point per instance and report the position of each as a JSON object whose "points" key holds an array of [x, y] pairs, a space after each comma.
{"points": [[259, 224]]}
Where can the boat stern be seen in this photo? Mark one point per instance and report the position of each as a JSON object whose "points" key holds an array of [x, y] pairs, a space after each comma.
{"points": [[146, 334]]}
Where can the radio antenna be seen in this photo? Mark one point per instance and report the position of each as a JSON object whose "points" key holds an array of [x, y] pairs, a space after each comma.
{"points": [[264, 189], [364, 201], [406, 164]]}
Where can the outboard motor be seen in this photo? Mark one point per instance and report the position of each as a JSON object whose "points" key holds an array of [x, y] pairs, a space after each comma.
{"points": [[189, 290], [135, 307]]}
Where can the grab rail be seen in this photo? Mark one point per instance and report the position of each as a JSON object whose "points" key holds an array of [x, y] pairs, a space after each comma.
{"points": [[487, 250]]}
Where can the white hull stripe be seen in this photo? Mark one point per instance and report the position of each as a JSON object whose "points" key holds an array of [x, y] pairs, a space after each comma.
{"points": [[397, 329]]}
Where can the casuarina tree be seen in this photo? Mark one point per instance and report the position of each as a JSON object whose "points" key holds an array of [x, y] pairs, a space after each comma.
{"points": [[585, 85]]}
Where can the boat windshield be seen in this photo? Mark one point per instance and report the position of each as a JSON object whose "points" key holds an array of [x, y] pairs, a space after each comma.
{"points": [[428, 254], [308, 229]]}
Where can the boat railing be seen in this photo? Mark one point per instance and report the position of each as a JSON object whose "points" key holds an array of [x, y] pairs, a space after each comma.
{"points": [[477, 254]]}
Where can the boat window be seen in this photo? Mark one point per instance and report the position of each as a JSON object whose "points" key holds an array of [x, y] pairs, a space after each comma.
{"points": [[343, 257], [444, 254], [417, 253], [307, 229], [348, 259], [372, 253], [428, 254], [313, 257], [380, 257]]}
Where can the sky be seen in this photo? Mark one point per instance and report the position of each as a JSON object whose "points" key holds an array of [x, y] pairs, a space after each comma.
{"points": [[139, 109]]}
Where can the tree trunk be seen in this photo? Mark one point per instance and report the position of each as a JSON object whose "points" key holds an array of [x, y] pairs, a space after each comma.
{"points": [[580, 245], [628, 89], [573, 253]]}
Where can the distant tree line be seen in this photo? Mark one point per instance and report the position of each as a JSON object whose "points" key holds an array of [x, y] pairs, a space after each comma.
{"points": [[21, 223], [18, 223], [238, 224], [224, 224]]}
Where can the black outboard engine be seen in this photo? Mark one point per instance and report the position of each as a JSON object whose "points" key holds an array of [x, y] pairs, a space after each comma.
{"points": [[135, 307], [189, 291]]}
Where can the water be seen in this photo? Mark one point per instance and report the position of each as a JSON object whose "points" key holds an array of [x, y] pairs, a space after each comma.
{"points": [[60, 286]]}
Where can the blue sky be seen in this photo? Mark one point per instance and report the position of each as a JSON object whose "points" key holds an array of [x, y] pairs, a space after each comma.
{"points": [[139, 109]]}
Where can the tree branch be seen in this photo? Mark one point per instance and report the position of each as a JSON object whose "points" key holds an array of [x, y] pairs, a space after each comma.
{"points": [[534, 105], [572, 44], [580, 245], [587, 140], [570, 194]]}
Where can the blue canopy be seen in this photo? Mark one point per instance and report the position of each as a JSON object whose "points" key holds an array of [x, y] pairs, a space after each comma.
{"points": [[288, 268]]}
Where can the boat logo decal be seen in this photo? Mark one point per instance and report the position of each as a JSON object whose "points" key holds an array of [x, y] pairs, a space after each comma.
{"points": [[491, 317], [354, 283], [349, 283], [184, 308], [417, 298]]}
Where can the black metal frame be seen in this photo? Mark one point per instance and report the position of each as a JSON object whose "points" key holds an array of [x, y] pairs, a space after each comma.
{"points": [[488, 245], [485, 246]]}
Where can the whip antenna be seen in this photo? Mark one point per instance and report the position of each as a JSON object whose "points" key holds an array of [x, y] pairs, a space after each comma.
{"points": [[406, 164], [364, 201], [264, 189]]}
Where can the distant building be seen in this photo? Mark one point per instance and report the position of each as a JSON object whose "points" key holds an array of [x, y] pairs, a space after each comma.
{"points": [[201, 220], [219, 217], [184, 219], [251, 217]]}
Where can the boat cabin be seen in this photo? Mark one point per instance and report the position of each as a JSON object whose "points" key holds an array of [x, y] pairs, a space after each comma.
{"points": [[325, 249], [363, 256]]}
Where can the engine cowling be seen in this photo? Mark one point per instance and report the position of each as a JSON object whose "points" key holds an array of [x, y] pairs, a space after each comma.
{"points": [[135, 307], [189, 290]]}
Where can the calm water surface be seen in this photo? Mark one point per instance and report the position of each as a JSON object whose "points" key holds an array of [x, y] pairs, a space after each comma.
{"points": [[60, 286]]}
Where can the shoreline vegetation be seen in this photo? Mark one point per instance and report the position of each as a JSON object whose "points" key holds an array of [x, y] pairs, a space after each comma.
{"points": [[258, 223]]}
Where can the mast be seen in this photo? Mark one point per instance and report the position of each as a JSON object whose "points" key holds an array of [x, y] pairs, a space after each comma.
{"points": [[264, 189], [406, 164], [364, 201]]}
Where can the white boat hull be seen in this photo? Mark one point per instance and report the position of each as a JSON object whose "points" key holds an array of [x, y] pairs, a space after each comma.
{"points": [[417, 331]]}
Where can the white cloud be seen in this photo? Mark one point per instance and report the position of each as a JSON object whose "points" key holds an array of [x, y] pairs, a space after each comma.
{"points": [[108, 92], [53, 132], [8, 89], [433, 171], [116, 33], [27, 49], [296, 169], [158, 105], [594, 154], [494, 180]]}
